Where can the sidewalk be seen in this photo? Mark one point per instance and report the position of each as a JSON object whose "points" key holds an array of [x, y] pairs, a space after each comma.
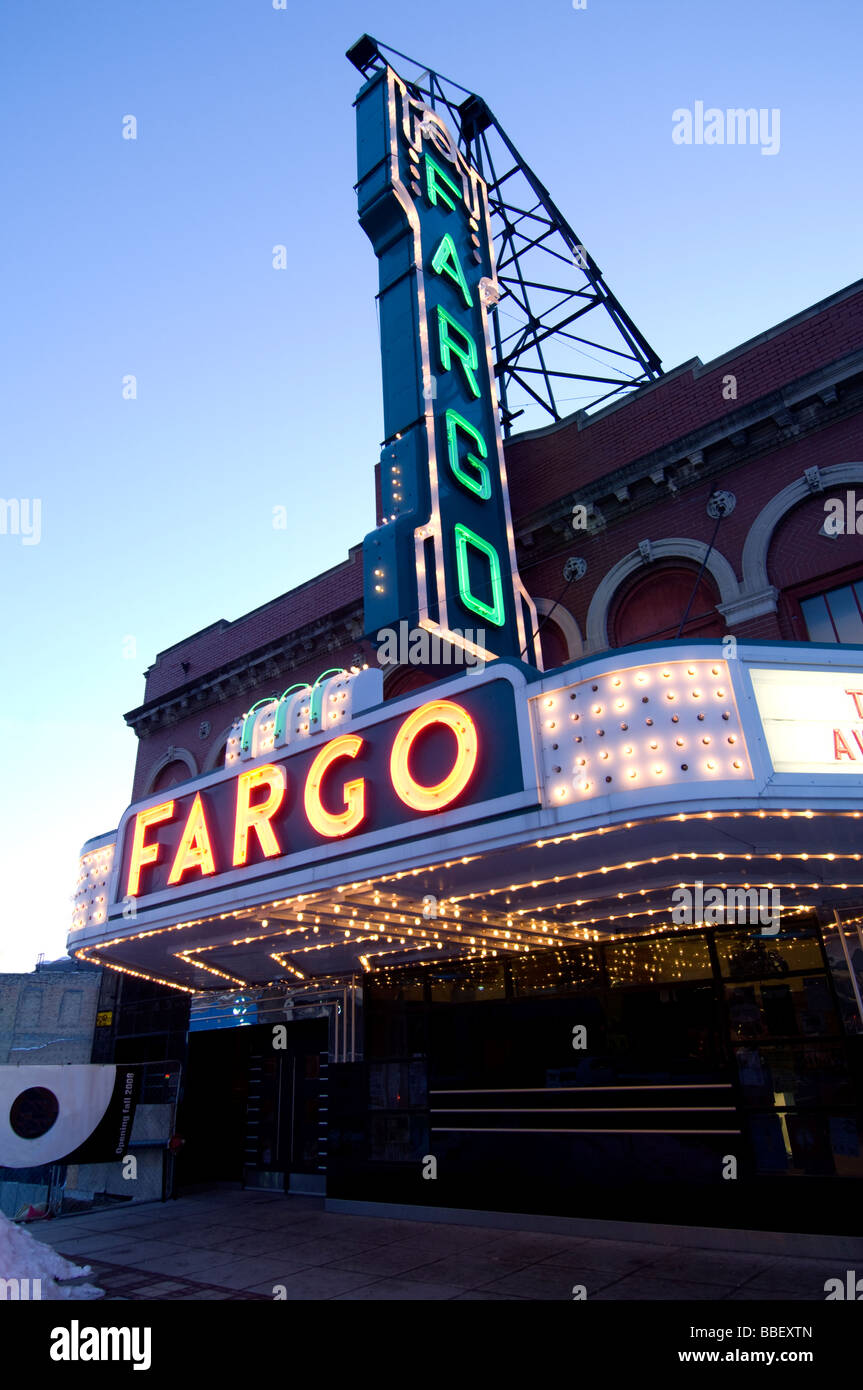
{"points": [[233, 1244]]}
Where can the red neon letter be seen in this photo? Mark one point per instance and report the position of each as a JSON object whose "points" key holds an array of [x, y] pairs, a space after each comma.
{"points": [[421, 798], [142, 853], [342, 822], [195, 851], [258, 817]]}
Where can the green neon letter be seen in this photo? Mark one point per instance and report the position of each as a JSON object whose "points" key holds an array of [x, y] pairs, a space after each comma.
{"points": [[440, 185], [446, 262], [480, 485], [493, 613], [466, 354]]}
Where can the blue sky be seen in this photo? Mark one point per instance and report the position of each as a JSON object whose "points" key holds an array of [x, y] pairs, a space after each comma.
{"points": [[258, 387]]}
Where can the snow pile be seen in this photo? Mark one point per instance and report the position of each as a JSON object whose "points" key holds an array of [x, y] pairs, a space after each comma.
{"points": [[23, 1257]]}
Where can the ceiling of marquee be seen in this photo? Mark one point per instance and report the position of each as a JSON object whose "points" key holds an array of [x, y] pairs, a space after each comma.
{"points": [[542, 894]]}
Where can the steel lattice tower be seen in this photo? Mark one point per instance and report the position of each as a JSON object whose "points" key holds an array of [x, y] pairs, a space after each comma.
{"points": [[558, 325]]}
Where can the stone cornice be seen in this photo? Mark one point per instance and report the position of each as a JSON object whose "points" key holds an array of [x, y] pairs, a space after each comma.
{"points": [[811, 402], [271, 660]]}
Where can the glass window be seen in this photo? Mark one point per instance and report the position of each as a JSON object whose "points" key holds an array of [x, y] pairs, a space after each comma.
{"points": [[556, 972], [660, 960], [816, 616], [846, 1141], [797, 1006], [835, 616], [397, 1085], [792, 1144], [844, 605], [846, 987], [395, 1030], [662, 1034], [808, 1144], [792, 1075], [748, 955], [461, 983], [397, 1138], [396, 984]]}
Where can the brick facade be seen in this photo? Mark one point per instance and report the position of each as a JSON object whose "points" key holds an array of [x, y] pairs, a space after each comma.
{"points": [[756, 421], [48, 1016]]}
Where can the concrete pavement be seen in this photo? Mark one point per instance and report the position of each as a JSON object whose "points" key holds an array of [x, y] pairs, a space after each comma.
{"points": [[230, 1244]]}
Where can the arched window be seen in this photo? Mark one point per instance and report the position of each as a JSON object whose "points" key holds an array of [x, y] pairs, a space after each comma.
{"points": [[819, 575], [400, 680], [650, 608], [175, 766], [552, 639], [559, 634], [171, 775]]}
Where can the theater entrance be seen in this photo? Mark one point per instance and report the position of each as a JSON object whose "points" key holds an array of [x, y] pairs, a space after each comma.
{"points": [[253, 1107]]}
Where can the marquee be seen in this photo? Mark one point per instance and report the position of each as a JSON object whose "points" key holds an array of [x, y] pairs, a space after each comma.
{"points": [[665, 746], [381, 775]]}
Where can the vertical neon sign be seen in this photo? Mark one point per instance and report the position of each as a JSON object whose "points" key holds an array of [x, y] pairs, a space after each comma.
{"points": [[444, 557]]}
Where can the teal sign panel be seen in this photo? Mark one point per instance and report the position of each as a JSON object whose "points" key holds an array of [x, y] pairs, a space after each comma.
{"points": [[444, 557]]}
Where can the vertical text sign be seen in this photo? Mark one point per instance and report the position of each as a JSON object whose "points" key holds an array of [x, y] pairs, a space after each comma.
{"points": [[444, 557]]}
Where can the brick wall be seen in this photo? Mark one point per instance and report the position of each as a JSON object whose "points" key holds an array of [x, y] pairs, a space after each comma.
{"points": [[543, 468], [47, 1016], [676, 515], [219, 714], [547, 465], [225, 641]]}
